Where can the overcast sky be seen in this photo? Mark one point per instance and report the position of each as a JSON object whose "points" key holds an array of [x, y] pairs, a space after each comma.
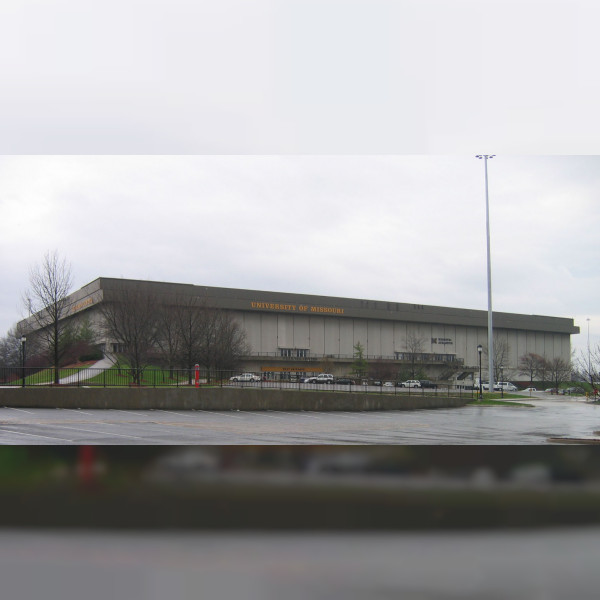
{"points": [[299, 76], [397, 228], [316, 146]]}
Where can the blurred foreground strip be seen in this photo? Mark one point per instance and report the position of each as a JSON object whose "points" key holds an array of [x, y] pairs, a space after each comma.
{"points": [[295, 487]]}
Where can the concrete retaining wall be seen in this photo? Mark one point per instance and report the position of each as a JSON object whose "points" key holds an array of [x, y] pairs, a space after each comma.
{"points": [[219, 399]]}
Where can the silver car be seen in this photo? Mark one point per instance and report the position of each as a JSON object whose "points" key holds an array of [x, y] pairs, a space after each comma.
{"points": [[245, 377]]}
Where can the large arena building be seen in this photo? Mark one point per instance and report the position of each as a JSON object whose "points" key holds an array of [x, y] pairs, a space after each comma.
{"points": [[293, 334]]}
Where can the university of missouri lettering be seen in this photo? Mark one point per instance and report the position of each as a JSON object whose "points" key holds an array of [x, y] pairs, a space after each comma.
{"points": [[297, 307]]}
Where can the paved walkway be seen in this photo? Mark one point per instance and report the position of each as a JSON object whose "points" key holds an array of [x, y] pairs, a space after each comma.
{"points": [[89, 373]]}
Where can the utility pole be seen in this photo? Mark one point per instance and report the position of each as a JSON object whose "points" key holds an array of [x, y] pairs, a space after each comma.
{"points": [[489, 276]]}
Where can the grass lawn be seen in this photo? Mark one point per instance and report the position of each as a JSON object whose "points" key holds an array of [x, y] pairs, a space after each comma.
{"points": [[498, 403], [47, 375], [496, 399], [152, 376]]}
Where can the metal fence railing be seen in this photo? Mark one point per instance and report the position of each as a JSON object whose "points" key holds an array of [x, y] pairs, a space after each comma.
{"points": [[155, 377]]}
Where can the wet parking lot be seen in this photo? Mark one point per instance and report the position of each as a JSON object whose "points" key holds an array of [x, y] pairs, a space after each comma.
{"points": [[549, 420]]}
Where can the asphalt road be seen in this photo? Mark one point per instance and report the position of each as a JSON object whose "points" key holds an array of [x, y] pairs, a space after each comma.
{"points": [[62, 565], [555, 417]]}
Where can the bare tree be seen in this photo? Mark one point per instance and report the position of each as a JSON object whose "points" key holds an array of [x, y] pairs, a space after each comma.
{"points": [[531, 365], [414, 351], [559, 370], [191, 316], [131, 319], [231, 343], [501, 354], [11, 357], [543, 370], [46, 302], [326, 365], [222, 341], [588, 364], [168, 338], [381, 369]]}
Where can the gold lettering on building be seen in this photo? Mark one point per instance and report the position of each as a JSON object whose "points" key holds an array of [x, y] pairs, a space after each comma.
{"points": [[297, 308], [81, 305], [327, 309], [273, 306]]}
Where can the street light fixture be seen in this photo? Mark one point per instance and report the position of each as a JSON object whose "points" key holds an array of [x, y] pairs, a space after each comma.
{"points": [[23, 340], [480, 350], [489, 274]]}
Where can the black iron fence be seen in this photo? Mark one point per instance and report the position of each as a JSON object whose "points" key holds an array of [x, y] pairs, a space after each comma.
{"points": [[156, 378]]}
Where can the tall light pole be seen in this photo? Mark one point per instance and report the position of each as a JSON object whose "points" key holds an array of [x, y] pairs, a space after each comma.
{"points": [[480, 349], [489, 275], [589, 355]]}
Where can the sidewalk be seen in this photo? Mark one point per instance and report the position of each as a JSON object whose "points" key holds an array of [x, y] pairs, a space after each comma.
{"points": [[89, 373]]}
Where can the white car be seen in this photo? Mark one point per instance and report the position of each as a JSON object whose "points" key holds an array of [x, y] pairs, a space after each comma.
{"points": [[507, 386], [530, 389], [245, 377], [411, 383]]}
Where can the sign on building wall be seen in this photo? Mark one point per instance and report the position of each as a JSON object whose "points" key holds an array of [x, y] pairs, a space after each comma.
{"points": [[301, 308], [81, 305]]}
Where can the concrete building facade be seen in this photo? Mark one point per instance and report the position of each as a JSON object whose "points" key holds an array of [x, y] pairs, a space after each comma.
{"points": [[291, 334]]}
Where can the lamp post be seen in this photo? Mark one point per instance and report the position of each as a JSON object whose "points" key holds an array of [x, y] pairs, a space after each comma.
{"points": [[589, 355], [23, 340], [480, 350], [502, 379], [489, 274]]}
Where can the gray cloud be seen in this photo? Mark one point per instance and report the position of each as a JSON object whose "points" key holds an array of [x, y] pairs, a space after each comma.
{"points": [[404, 228]]}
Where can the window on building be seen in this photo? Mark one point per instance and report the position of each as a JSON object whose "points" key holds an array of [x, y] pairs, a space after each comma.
{"points": [[294, 352]]}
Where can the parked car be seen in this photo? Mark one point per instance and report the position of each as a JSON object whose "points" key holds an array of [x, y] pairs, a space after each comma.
{"points": [[388, 384], [324, 378], [507, 386], [572, 391], [425, 383], [411, 383], [530, 389], [497, 386], [245, 377], [467, 386], [344, 381]]}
